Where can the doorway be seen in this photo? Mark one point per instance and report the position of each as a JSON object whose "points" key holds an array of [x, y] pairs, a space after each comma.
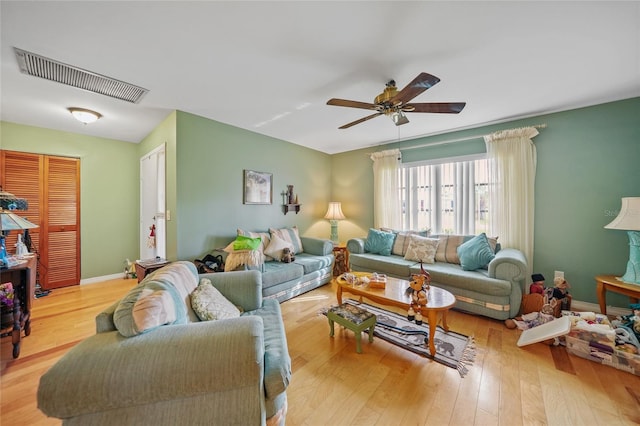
{"points": [[153, 233]]}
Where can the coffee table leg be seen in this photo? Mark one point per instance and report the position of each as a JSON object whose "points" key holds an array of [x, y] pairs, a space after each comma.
{"points": [[339, 295], [444, 321], [432, 317]]}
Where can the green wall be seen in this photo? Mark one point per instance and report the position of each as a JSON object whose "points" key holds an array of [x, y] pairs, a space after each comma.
{"points": [[587, 161], [109, 200], [210, 159]]}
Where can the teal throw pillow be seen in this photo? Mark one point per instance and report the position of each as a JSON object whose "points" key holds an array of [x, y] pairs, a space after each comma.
{"points": [[379, 242], [246, 243], [475, 253]]}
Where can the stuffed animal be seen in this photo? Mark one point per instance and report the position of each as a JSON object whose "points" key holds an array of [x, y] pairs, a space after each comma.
{"points": [[537, 286], [561, 292], [287, 255], [418, 288]]}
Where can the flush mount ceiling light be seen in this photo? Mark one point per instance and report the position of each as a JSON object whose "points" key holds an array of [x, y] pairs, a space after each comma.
{"points": [[85, 116]]}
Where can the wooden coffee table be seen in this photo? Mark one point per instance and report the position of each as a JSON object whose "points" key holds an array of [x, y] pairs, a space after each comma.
{"points": [[395, 294]]}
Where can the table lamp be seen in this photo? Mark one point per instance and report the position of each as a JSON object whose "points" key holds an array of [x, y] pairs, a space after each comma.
{"points": [[334, 214], [10, 221], [629, 220]]}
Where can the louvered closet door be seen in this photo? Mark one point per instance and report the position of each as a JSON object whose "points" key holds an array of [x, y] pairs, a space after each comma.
{"points": [[21, 177], [61, 230], [52, 187]]}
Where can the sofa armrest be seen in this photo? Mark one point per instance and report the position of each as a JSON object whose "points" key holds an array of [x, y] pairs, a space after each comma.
{"points": [[317, 246], [108, 371], [356, 245], [104, 320], [242, 288], [510, 265]]}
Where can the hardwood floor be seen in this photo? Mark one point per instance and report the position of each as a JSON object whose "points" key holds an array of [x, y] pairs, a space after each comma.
{"points": [[385, 385]]}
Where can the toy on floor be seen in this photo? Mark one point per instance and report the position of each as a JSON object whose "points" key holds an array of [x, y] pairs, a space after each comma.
{"points": [[537, 286], [418, 288], [537, 309], [561, 293]]}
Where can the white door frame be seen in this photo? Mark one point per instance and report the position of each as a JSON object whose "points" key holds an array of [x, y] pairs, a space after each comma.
{"points": [[153, 203]]}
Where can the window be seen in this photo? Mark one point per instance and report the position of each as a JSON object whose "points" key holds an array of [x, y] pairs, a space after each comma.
{"points": [[446, 197]]}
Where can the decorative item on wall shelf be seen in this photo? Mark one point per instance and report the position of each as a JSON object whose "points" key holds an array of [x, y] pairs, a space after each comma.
{"points": [[290, 201], [257, 187]]}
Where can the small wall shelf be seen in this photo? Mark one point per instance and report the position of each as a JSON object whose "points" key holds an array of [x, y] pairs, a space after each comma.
{"points": [[291, 208]]}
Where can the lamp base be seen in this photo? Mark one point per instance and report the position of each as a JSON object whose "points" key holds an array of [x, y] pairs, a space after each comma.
{"points": [[334, 231], [632, 275]]}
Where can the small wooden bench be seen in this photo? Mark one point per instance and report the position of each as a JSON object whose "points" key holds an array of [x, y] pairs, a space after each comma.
{"points": [[353, 318]]}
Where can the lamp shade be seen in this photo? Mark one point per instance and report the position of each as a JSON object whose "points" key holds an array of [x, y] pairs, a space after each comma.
{"points": [[629, 217], [12, 222], [334, 212]]}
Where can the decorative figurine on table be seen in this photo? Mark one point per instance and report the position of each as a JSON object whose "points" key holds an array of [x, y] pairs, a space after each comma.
{"points": [[418, 288]]}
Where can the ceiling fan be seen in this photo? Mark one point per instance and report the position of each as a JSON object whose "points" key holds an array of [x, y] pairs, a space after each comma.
{"points": [[394, 104]]}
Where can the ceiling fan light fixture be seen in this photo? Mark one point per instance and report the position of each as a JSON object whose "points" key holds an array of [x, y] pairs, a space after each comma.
{"points": [[399, 118], [83, 115]]}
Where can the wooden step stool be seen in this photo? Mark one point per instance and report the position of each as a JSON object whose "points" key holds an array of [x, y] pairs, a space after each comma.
{"points": [[353, 318]]}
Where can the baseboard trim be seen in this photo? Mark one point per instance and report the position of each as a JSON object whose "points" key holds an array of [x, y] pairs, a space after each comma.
{"points": [[580, 306], [101, 279]]}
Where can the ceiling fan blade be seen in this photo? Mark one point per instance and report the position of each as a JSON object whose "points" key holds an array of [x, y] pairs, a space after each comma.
{"points": [[436, 107], [362, 120], [351, 104], [419, 84]]}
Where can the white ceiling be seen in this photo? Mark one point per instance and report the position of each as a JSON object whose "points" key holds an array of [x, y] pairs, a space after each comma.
{"points": [[270, 67]]}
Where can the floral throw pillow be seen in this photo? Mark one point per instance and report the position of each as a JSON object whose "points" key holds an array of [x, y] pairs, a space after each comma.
{"points": [[421, 249], [209, 304]]}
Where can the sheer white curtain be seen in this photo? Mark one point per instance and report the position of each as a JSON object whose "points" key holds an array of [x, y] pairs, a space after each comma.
{"points": [[386, 197], [512, 175]]}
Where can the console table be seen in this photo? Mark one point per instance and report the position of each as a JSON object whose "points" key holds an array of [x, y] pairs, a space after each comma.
{"points": [[612, 283], [23, 278]]}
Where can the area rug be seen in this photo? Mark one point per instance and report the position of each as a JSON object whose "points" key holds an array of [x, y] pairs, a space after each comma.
{"points": [[453, 349]]}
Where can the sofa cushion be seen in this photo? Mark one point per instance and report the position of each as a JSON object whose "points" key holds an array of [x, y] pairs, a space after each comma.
{"points": [[277, 272], [161, 298], [246, 243], [390, 265], [311, 263], [275, 247], [475, 253], [475, 281], [277, 363], [421, 249], [209, 304], [290, 235], [379, 242]]}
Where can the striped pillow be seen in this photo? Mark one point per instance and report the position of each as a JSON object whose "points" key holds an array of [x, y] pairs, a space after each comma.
{"points": [[289, 235], [401, 243], [161, 298]]}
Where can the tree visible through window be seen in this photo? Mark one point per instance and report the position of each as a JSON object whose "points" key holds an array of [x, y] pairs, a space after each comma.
{"points": [[450, 197]]}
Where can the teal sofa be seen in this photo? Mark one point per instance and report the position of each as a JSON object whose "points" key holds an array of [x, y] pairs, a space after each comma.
{"points": [[495, 292], [228, 371], [311, 269]]}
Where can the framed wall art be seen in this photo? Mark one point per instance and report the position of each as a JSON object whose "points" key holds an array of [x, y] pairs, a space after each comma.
{"points": [[257, 187]]}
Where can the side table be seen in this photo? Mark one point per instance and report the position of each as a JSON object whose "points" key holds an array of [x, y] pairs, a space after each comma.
{"points": [[145, 267], [612, 283], [341, 260], [23, 277]]}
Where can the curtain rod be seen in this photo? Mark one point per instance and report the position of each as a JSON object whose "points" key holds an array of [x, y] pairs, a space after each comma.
{"points": [[468, 138]]}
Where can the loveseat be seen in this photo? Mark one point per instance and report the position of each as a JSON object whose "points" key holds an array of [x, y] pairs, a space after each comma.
{"points": [[493, 290], [312, 267], [227, 371]]}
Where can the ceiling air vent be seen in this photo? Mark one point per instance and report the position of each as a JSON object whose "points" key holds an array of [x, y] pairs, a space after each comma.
{"points": [[46, 68]]}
